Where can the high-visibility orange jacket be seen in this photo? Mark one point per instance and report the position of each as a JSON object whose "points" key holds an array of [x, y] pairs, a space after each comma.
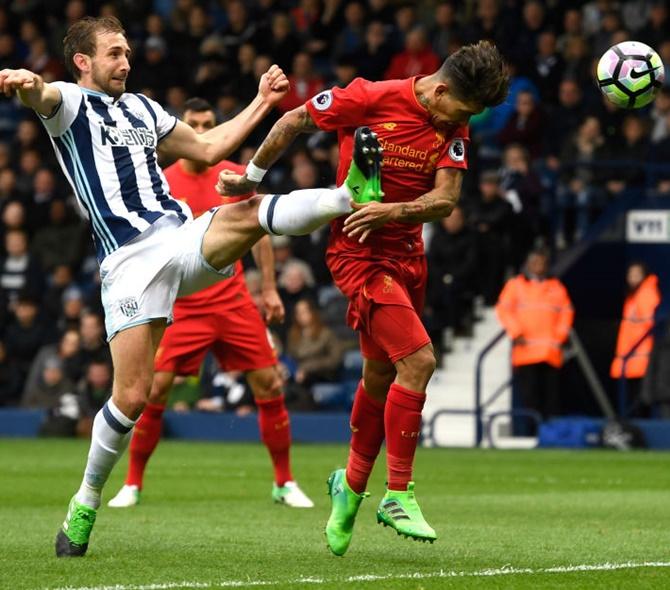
{"points": [[638, 317], [540, 312]]}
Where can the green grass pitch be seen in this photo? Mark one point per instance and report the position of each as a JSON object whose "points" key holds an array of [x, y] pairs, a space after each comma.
{"points": [[544, 519]]}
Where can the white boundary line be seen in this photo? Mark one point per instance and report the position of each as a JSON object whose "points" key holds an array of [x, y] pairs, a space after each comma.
{"points": [[506, 570]]}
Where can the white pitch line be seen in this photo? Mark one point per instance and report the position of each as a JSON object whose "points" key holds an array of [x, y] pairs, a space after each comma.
{"points": [[506, 570]]}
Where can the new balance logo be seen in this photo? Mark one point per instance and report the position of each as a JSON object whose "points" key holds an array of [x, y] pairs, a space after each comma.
{"points": [[356, 189]]}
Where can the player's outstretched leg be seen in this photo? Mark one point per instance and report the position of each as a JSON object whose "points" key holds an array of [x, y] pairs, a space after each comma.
{"points": [[343, 510], [301, 212], [365, 172], [400, 511]]}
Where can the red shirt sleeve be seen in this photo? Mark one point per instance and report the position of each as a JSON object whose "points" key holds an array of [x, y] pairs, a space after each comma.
{"points": [[456, 154], [340, 107]]}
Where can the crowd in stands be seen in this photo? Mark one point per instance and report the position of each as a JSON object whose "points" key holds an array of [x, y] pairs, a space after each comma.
{"points": [[542, 166]]}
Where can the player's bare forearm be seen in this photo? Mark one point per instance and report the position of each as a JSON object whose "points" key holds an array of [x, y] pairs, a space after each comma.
{"points": [[31, 90], [437, 203], [282, 135], [265, 261], [429, 207]]}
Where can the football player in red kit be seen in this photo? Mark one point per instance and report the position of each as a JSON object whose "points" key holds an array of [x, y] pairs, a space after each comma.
{"points": [[376, 257], [222, 318]]}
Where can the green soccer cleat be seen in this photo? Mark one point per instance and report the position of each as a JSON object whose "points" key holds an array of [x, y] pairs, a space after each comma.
{"points": [[344, 507], [364, 179], [72, 538], [400, 511]]}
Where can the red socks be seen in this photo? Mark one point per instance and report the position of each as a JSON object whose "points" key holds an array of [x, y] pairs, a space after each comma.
{"points": [[367, 434], [275, 429], [402, 420], [145, 437]]}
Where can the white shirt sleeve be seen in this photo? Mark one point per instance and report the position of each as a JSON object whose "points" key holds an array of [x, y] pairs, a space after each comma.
{"points": [[165, 122], [65, 113]]}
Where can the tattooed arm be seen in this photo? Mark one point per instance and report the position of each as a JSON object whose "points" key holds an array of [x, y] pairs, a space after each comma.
{"points": [[433, 205], [282, 134]]}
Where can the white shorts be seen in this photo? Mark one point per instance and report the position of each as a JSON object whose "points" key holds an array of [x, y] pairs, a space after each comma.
{"points": [[142, 279]]}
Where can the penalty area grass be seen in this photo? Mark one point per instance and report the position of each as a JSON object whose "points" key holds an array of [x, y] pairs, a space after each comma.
{"points": [[505, 519]]}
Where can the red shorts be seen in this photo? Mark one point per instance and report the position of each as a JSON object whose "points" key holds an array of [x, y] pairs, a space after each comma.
{"points": [[386, 298], [238, 338]]}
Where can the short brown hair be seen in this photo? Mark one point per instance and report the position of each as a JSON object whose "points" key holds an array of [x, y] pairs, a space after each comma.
{"points": [[80, 38], [477, 73]]}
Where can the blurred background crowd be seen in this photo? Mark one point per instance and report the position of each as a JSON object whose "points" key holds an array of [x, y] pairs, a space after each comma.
{"points": [[542, 166]]}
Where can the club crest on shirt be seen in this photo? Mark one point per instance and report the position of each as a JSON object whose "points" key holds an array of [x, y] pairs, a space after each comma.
{"points": [[457, 150], [323, 100], [129, 306], [389, 126]]}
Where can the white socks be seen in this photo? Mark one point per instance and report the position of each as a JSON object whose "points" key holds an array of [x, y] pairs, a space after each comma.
{"points": [[301, 212], [110, 436]]}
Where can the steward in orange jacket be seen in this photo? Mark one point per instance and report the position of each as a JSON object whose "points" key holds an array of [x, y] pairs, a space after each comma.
{"points": [[537, 315], [638, 317]]}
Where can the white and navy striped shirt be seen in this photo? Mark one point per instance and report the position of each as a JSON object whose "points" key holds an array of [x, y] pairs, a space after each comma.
{"points": [[107, 149]]}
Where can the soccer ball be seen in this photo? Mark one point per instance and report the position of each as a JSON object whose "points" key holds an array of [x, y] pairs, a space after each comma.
{"points": [[630, 74]]}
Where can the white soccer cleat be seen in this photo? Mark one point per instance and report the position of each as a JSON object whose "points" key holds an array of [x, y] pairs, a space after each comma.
{"points": [[128, 496], [291, 495]]}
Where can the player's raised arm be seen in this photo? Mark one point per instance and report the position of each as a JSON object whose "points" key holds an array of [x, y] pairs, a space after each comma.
{"points": [[214, 145], [433, 205], [31, 89], [281, 135]]}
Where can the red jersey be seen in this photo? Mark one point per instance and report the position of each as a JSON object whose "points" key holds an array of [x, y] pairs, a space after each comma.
{"points": [[197, 191], [413, 151]]}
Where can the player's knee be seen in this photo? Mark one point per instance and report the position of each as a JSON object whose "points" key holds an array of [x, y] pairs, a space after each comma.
{"points": [[421, 363], [135, 395], [160, 387], [378, 379], [266, 384]]}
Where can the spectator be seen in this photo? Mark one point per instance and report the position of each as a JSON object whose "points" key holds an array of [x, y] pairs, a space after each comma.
{"points": [[625, 158], [452, 266], [537, 315], [417, 57], [59, 243], [566, 116], [67, 352], [492, 219], [47, 391], [26, 335], [351, 37], [548, 68], [283, 43], [93, 391], [44, 192], [295, 282], [374, 57], [314, 347], [642, 299], [305, 83], [523, 190], [525, 127], [93, 344], [10, 379], [19, 270], [576, 190], [446, 34]]}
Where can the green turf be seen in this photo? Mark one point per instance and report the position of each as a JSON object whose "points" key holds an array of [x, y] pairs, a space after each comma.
{"points": [[207, 518]]}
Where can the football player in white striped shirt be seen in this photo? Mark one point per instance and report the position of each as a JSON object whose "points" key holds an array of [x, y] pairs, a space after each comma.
{"points": [[150, 250]]}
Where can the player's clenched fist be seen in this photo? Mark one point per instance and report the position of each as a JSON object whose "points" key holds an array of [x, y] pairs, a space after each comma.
{"points": [[273, 85], [13, 80], [231, 184]]}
